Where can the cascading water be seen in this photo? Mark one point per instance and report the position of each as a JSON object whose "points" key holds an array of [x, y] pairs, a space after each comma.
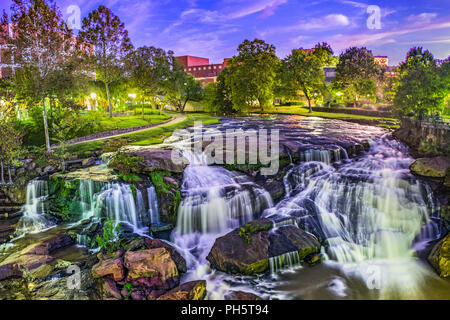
{"points": [[33, 219], [370, 212], [115, 200], [153, 206]]}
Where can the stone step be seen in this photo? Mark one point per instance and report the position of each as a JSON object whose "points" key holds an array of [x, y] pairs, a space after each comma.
{"points": [[9, 216], [9, 209]]}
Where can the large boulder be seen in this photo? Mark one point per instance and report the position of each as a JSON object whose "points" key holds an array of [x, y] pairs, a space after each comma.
{"points": [[193, 290], [32, 257], [247, 250], [431, 167], [152, 268], [439, 257], [160, 159], [112, 267], [241, 295]]}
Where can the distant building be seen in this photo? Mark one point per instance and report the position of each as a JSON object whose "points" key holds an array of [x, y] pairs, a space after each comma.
{"points": [[381, 60], [201, 69]]}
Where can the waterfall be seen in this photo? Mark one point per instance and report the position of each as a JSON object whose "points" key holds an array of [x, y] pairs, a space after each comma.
{"points": [[285, 261], [35, 208], [216, 200], [153, 206], [115, 200], [368, 210]]}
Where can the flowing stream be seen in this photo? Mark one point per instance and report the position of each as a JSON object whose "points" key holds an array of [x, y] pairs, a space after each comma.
{"points": [[371, 215]]}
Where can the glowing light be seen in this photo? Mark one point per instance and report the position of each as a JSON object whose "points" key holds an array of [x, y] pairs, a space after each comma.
{"points": [[339, 94], [93, 95], [132, 95]]}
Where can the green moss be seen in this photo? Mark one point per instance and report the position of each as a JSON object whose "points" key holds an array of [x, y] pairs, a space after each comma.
{"points": [[257, 267], [158, 180]]}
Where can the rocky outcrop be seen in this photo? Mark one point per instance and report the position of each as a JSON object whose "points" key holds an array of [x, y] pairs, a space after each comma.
{"points": [[247, 250], [439, 257], [431, 167], [32, 256], [241, 295], [160, 159], [153, 268], [9, 217], [148, 269], [193, 290]]}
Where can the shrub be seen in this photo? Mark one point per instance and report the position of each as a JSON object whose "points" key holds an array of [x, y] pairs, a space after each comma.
{"points": [[110, 242]]}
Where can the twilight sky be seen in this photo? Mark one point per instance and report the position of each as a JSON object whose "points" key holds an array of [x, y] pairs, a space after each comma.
{"points": [[214, 29]]}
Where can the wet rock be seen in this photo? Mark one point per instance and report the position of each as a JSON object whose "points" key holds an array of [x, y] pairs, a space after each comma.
{"points": [[247, 250], [241, 295], [109, 267], [32, 256], [88, 162], [193, 290], [49, 169], [439, 257], [160, 159], [152, 268], [431, 167], [177, 258], [171, 181], [110, 289]]}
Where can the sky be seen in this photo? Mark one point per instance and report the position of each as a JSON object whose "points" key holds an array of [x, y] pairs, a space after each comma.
{"points": [[214, 29]]}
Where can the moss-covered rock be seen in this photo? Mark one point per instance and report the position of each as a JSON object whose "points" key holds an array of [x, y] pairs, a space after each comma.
{"points": [[247, 250], [439, 257], [193, 290], [431, 167]]}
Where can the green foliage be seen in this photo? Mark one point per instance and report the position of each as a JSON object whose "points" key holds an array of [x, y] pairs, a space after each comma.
{"points": [[428, 147], [180, 87], [250, 228], [126, 163], [303, 70], [253, 76], [218, 95], [110, 242], [104, 30], [113, 145], [356, 73], [158, 180], [423, 87]]}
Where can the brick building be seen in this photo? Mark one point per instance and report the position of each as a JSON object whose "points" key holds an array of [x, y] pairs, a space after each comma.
{"points": [[201, 69]]}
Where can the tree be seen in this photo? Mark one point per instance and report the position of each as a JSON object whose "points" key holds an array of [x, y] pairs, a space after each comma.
{"points": [[420, 89], [356, 72], [148, 66], [108, 35], [303, 70], [218, 95], [41, 44], [180, 87], [253, 75], [11, 137]]}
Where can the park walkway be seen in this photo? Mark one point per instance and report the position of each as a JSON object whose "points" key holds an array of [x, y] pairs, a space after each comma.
{"points": [[177, 118]]}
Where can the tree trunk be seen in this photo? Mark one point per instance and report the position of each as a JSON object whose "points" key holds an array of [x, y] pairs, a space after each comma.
{"points": [[109, 99], [3, 176], [143, 114], [51, 114], [47, 138], [355, 102], [9, 173], [310, 107]]}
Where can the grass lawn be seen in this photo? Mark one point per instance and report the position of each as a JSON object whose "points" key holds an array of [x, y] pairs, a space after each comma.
{"points": [[298, 110], [147, 137], [151, 116]]}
